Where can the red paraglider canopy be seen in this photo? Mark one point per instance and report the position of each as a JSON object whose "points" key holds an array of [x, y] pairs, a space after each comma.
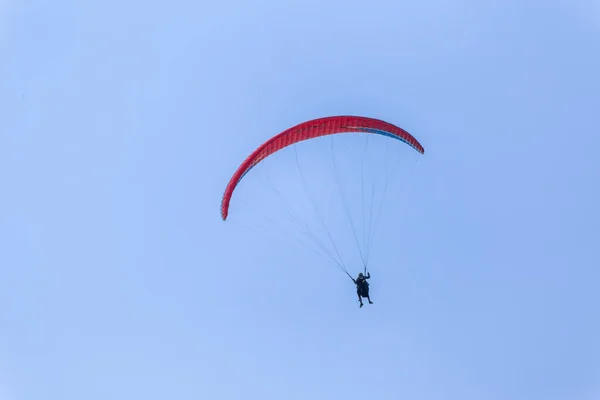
{"points": [[309, 130]]}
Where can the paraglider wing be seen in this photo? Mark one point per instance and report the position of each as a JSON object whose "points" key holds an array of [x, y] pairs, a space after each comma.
{"points": [[310, 130]]}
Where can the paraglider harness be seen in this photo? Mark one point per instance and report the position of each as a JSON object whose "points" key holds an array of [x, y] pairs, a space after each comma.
{"points": [[362, 286]]}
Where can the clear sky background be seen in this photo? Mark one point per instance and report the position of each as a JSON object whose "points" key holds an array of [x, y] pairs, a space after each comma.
{"points": [[121, 123]]}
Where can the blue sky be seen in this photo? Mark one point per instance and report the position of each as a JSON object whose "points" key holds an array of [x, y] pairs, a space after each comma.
{"points": [[122, 123]]}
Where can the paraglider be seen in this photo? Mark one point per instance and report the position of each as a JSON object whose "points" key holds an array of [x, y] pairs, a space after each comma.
{"points": [[311, 130], [362, 287]]}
